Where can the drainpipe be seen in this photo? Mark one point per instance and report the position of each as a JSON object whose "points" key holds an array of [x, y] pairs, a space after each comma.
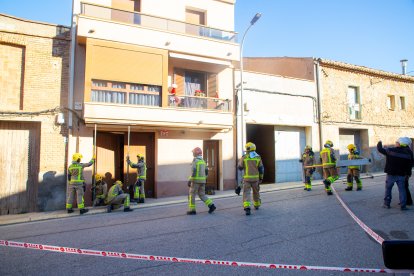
{"points": [[72, 65], [318, 93]]}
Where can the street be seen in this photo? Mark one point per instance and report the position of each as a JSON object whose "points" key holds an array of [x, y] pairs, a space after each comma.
{"points": [[293, 227]]}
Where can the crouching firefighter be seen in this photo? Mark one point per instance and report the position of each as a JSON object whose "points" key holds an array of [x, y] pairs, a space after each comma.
{"points": [[77, 183], [197, 183], [138, 188], [353, 171], [99, 190], [308, 159], [252, 166], [328, 159], [116, 197]]}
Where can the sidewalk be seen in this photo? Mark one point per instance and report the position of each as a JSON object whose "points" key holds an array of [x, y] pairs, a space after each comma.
{"points": [[152, 202]]}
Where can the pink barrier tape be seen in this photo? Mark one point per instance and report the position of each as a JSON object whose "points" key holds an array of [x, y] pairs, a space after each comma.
{"points": [[368, 230], [122, 255]]}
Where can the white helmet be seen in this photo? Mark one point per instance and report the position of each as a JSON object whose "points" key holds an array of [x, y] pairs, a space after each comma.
{"points": [[404, 141]]}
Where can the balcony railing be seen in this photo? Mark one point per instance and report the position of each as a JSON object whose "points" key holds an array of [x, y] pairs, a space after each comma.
{"points": [[194, 102], [156, 22]]}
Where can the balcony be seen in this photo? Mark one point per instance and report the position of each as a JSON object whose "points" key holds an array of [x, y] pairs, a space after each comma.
{"points": [[203, 103], [155, 22]]}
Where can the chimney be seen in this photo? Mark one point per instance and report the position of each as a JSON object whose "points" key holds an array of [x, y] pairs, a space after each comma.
{"points": [[404, 66]]}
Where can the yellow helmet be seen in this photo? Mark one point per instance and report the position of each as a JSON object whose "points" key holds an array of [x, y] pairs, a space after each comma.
{"points": [[76, 156], [118, 182], [140, 156], [328, 143], [308, 147], [351, 147], [250, 146], [98, 177]]}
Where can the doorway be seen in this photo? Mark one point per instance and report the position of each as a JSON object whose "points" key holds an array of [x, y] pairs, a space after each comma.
{"points": [[211, 156]]}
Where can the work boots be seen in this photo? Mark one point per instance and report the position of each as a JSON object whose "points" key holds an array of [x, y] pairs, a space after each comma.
{"points": [[211, 208], [247, 210], [127, 209], [109, 208], [193, 212], [349, 188], [359, 188], [83, 211], [141, 200], [70, 210]]}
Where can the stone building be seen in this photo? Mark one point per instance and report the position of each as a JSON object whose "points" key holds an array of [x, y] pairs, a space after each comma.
{"points": [[34, 64]]}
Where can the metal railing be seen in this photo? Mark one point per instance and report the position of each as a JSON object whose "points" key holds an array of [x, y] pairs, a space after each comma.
{"points": [[156, 22], [194, 102], [106, 96]]}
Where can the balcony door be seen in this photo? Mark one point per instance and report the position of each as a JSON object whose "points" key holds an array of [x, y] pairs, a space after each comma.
{"points": [[195, 19]]}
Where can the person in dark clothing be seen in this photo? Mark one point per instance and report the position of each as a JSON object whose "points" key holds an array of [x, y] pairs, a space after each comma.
{"points": [[398, 163]]}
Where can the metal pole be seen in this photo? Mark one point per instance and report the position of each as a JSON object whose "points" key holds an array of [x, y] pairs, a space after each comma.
{"points": [[94, 165], [127, 177]]}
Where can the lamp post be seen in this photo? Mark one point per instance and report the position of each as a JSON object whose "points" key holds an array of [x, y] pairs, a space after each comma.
{"points": [[243, 138]]}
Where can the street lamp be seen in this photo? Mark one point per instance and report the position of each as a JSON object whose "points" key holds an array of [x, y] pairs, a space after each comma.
{"points": [[254, 20], [404, 66]]}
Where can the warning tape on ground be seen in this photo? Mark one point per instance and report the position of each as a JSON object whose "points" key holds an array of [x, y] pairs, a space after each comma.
{"points": [[368, 230], [122, 255]]}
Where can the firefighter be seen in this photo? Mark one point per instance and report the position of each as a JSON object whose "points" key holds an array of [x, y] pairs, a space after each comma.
{"points": [[138, 188], [77, 182], [330, 174], [308, 159], [252, 166], [353, 171], [197, 183], [100, 190], [116, 197]]}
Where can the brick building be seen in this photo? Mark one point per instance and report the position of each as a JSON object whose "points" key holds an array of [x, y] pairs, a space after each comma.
{"points": [[34, 64]]}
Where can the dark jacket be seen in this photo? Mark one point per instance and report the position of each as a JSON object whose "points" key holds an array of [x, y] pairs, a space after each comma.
{"points": [[399, 160]]}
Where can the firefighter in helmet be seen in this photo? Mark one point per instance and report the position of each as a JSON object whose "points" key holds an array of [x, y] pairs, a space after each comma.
{"points": [[308, 159], [328, 159], [353, 171], [100, 189], [252, 166], [116, 198], [138, 187], [77, 182], [197, 183]]}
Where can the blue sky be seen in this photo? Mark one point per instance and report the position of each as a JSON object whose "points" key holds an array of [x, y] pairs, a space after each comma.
{"points": [[371, 33]]}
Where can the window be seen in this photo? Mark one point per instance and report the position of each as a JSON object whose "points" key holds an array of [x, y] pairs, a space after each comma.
{"points": [[390, 102], [125, 93], [402, 103], [195, 19], [354, 103]]}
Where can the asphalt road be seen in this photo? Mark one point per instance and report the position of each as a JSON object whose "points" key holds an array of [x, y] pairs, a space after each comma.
{"points": [[293, 227]]}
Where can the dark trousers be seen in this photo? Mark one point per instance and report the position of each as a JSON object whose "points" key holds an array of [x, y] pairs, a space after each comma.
{"points": [[389, 183], [407, 191]]}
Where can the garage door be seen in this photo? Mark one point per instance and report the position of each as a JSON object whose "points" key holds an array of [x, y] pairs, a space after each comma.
{"points": [[288, 145], [19, 159]]}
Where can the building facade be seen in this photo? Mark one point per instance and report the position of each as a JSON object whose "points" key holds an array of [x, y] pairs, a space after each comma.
{"points": [[360, 105], [154, 77], [34, 70], [280, 113]]}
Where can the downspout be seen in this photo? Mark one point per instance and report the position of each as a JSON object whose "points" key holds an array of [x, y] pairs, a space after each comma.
{"points": [[235, 121], [72, 66], [318, 96]]}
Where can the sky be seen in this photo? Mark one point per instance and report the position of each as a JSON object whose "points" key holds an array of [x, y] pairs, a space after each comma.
{"points": [[371, 33]]}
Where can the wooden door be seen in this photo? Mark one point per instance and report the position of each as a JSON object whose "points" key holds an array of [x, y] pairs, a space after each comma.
{"points": [[143, 143], [19, 166], [210, 149], [108, 157]]}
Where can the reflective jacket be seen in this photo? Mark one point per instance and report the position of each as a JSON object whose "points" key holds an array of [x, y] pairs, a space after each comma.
{"points": [[199, 170], [101, 189], [252, 165], [141, 167], [353, 156], [328, 158], [75, 171], [308, 159], [114, 191]]}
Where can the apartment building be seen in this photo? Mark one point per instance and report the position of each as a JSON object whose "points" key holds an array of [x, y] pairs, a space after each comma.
{"points": [[154, 77], [34, 70], [280, 112]]}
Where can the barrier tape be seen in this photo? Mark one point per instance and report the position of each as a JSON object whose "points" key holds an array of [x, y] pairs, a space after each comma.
{"points": [[123, 255], [368, 230]]}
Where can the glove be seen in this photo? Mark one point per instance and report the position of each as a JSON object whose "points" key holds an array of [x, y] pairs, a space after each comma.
{"points": [[237, 190], [94, 157], [189, 183], [300, 161], [260, 181]]}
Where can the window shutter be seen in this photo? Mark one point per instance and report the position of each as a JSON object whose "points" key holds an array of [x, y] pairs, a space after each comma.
{"points": [[179, 81], [212, 87]]}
